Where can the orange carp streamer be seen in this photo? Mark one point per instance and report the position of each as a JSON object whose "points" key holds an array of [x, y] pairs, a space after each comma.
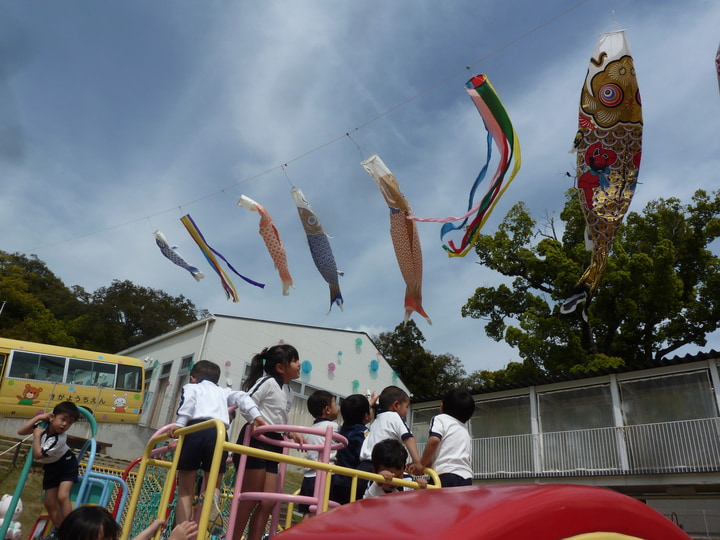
{"points": [[271, 237], [404, 234]]}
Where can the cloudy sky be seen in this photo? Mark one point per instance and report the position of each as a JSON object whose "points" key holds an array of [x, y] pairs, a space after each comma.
{"points": [[118, 118]]}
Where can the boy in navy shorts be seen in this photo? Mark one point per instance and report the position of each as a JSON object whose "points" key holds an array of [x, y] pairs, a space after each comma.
{"points": [[50, 448], [202, 399]]}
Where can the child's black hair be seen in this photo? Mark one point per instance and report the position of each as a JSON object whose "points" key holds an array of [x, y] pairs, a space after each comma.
{"points": [[389, 453], [459, 404], [87, 523], [267, 360], [390, 395], [317, 402], [205, 370], [354, 408], [69, 408]]}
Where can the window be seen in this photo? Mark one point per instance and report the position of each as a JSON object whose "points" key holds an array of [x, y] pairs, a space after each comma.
{"points": [[27, 365], [89, 373], [129, 378]]}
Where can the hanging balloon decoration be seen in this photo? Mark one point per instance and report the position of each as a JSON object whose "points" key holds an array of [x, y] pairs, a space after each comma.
{"points": [[355, 386], [306, 367], [339, 357], [358, 345]]}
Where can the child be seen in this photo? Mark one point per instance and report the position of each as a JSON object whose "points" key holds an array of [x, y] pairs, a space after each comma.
{"points": [[272, 393], [390, 424], [448, 447], [355, 410], [323, 407], [388, 460], [50, 448], [96, 523], [201, 400]]}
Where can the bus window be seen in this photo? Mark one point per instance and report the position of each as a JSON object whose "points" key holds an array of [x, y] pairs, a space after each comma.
{"points": [[2, 363], [89, 373], [129, 378], [27, 365]]}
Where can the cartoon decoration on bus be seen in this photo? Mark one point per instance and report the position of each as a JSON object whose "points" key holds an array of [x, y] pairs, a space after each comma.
{"points": [[120, 403], [28, 395]]}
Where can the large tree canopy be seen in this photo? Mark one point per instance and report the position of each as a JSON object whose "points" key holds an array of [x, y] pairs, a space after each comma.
{"points": [[660, 290], [37, 306]]}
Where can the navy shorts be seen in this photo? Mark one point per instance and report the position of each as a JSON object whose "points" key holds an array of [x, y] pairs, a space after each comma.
{"points": [[63, 470], [259, 463], [199, 448], [453, 480], [307, 489]]}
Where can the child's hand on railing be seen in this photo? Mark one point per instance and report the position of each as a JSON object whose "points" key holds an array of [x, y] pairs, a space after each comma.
{"points": [[297, 437]]}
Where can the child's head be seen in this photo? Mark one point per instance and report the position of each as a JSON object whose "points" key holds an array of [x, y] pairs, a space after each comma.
{"points": [[205, 370], [355, 409], [459, 404], [322, 404], [393, 398], [64, 415], [389, 455], [89, 523], [277, 361]]}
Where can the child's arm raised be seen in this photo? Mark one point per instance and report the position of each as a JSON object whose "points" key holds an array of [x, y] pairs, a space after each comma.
{"points": [[28, 427]]}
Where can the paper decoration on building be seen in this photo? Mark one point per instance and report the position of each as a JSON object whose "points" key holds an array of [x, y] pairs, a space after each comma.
{"points": [[171, 253], [404, 234], [320, 249], [500, 132], [209, 254], [609, 147], [274, 244]]}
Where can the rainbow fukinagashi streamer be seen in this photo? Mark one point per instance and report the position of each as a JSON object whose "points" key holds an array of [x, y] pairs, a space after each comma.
{"points": [[500, 131]]}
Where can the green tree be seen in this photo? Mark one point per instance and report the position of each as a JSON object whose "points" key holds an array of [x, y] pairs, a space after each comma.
{"points": [[424, 373], [125, 314], [660, 289], [36, 305]]}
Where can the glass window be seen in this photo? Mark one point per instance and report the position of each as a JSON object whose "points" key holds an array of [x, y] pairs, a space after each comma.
{"points": [[579, 408], [27, 365], [682, 396], [501, 417], [129, 378], [89, 373]]}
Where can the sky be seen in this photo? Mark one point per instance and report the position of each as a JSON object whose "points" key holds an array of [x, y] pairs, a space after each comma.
{"points": [[118, 118]]}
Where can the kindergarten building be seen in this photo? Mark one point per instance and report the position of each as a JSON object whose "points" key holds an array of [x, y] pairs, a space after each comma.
{"points": [[342, 362]]}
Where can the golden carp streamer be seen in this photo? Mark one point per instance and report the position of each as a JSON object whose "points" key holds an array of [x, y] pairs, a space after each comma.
{"points": [[404, 233], [609, 147]]}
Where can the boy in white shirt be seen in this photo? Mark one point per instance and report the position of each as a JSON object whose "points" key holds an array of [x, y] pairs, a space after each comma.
{"points": [[323, 407], [202, 399], [448, 446]]}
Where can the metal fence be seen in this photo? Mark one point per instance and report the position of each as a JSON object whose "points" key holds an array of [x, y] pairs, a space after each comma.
{"points": [[685, 446]]}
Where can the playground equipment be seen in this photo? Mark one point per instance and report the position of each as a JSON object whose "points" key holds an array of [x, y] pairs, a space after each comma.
{"points": [[153, 460], [537, 512], [91, 488], [540, 512]]}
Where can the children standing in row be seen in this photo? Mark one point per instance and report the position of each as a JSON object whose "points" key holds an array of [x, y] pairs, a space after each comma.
{"points": [[60, 465], [202, 399], [272, 393], [448, 446], [390, 424], [323, 407]]}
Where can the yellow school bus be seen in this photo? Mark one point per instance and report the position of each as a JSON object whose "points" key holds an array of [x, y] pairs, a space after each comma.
{"points": [[35, 377]]}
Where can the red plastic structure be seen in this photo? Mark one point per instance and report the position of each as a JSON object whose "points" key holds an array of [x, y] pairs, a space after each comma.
{"points": [[502, 512]]}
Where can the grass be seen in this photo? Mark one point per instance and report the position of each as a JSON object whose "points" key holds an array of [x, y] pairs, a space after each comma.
{"points": [[31, 501]]}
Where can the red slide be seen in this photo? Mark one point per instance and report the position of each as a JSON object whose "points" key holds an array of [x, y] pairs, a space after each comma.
{"points": [[537, 512]]}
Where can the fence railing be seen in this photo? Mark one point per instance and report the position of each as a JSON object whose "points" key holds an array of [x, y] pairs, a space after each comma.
{"points": [[668, 447]]}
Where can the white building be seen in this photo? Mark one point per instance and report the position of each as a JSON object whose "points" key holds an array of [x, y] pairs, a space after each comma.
{"points": [[343, 362]]}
